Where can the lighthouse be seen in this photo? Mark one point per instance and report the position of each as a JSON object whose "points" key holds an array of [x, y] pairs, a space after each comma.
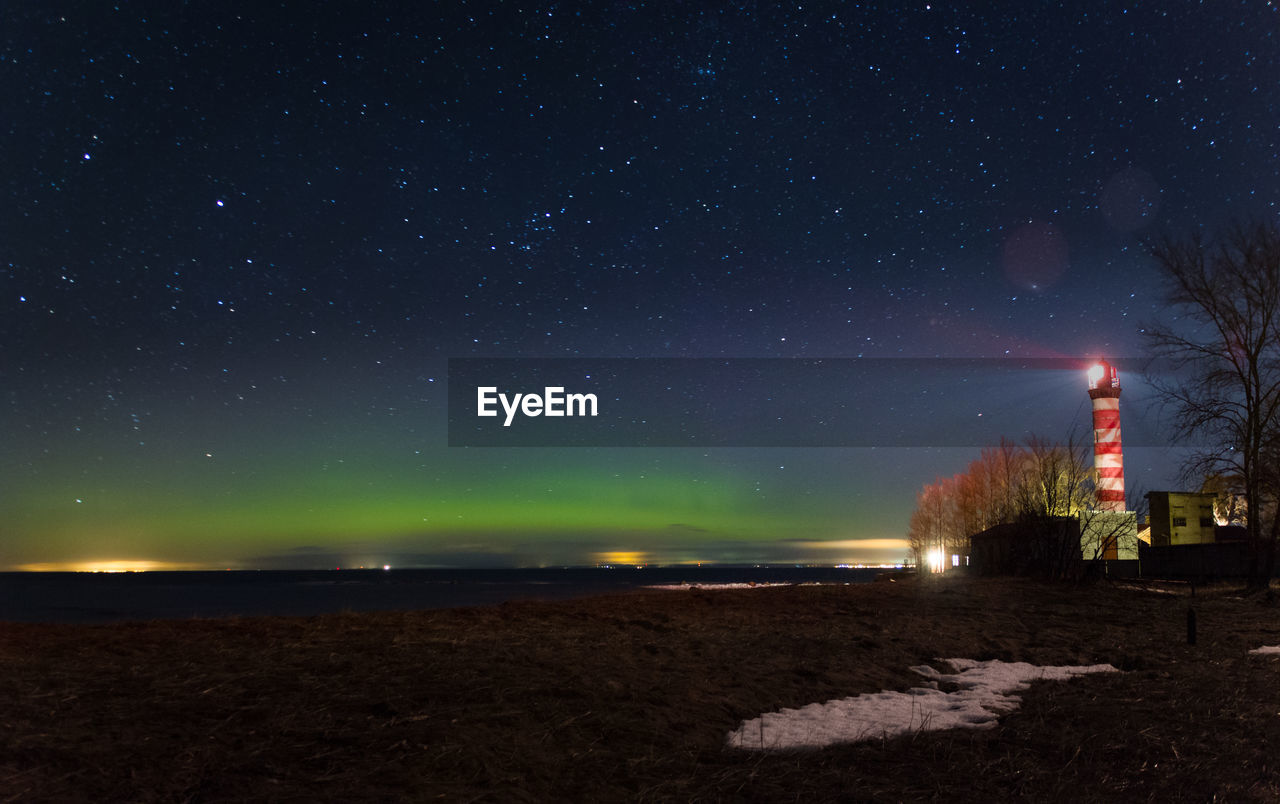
{"points": [[1108, 460]]}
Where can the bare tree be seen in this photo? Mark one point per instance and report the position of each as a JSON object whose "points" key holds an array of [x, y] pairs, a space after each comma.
{"points": [[985, 490], [1055, 480], [1222, 334], [923, 532], [934, 526]]}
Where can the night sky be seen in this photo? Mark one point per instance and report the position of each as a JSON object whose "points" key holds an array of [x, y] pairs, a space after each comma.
{"points": [[238, 246]]}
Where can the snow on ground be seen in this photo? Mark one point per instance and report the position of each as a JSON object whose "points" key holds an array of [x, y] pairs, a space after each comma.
{"points": [[1267, 650], [985, 692]]}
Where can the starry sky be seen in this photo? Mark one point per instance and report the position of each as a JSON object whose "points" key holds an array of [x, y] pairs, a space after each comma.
{"points": [[240, 242]]}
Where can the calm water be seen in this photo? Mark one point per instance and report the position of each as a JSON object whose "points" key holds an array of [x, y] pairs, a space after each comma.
{"points": [[95, 598]]}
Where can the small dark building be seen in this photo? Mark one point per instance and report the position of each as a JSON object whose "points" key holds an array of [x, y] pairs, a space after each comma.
{"points": [[1043, 547]]}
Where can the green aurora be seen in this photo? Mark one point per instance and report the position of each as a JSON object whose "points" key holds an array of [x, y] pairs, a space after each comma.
{"points": [[248, 504]]}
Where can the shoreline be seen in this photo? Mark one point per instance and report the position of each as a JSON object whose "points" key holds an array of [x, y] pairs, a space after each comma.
{"points": [[115, 597]]}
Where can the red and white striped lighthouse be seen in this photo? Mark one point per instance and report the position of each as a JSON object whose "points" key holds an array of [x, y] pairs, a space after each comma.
{"points": [[1108, 460]]}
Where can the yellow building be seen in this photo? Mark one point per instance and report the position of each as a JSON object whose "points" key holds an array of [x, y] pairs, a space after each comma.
{"points": [[1180, 517]]}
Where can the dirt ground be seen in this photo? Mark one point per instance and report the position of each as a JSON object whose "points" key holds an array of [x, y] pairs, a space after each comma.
{"points": [[631, 697]]}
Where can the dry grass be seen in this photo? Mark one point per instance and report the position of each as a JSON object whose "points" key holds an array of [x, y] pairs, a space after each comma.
{"points": [[631, 697]]}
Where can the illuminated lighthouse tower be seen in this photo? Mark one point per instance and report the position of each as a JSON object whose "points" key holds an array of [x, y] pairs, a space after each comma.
{"points": [[1104, 390]]}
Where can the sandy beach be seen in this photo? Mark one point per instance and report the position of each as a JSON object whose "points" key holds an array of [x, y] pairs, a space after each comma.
{"points": [[632, 697]]}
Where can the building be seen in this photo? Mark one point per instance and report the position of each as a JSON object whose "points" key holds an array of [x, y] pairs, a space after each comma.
{"points": [[1180, 517], [1043, 547], [1109, 535]]}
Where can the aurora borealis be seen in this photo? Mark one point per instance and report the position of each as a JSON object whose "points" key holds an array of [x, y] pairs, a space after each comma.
{"points": [[240, 242]]}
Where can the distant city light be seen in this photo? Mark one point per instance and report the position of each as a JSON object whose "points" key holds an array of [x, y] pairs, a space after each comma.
{"points": [[108, 565]]}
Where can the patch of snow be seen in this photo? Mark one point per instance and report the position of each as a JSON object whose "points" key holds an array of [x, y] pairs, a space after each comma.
{"points": [[985, 692], [1267, 650]]}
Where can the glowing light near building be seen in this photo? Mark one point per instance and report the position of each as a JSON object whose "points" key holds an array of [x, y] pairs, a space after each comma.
{"points": [[936, 560]]}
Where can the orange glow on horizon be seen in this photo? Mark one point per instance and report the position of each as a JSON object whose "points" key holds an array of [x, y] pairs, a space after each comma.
{"points": [[113, 565], [632, 557]]}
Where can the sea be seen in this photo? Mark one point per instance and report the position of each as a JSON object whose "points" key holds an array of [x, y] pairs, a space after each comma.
{"points": [[80, 597]]}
